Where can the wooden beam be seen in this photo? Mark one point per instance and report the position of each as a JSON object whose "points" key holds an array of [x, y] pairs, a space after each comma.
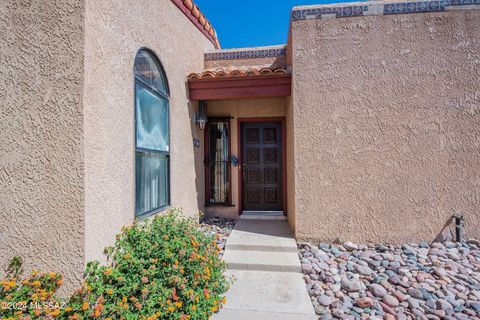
{"points": [[240, 88]]}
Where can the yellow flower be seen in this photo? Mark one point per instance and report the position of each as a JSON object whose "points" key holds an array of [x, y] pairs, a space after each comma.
{"points": [[52, 274], [85, 306], [194, 307], [171, 309], [55, 312], [36, 283], [179, 304], [110, 291], [108, 272], [68, 309]]}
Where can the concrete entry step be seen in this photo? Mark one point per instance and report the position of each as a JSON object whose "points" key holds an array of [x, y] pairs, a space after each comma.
{"points": [[269, 292], [227, 314], [262, 257], [262, 260], [247, 247], [263, 233], [263, 215]]}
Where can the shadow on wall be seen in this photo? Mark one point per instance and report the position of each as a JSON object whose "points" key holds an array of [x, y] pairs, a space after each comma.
{"points": [[279, 62], [197, 154], [450, 231], [445, 233]]}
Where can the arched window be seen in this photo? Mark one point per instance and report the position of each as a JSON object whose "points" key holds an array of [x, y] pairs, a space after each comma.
{"points": [[152, 143]]}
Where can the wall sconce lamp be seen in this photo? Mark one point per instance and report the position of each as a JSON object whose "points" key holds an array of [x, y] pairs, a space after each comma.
{"points": [[201, 116]]}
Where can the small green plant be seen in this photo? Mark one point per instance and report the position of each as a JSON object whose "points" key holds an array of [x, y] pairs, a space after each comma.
{"points": [[166, 268], [30, 298]]}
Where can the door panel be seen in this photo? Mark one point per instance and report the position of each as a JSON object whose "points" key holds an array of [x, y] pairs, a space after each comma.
{"points": [[262, 166]]}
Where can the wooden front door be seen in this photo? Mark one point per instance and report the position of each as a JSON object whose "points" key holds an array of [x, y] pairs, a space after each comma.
{"points": [[262, 166]]}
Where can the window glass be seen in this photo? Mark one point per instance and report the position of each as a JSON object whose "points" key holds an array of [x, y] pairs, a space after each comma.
{"points": [[147, 70], [152, 181], [152, 120], [152, 158]]}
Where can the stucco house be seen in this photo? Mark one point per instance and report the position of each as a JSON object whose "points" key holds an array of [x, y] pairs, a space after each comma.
{"points": [[364, 126]]}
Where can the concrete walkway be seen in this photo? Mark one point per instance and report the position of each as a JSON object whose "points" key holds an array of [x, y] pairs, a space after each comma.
{"points": [[262, 256]]}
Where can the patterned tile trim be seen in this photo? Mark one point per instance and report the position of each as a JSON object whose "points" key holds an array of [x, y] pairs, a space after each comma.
{"points": [[339, 12], [376, 7], [246, 54], [411, 7]]}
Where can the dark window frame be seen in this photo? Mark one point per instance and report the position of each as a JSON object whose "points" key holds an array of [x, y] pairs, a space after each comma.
{"points": [[165, 95], [211, 120]]}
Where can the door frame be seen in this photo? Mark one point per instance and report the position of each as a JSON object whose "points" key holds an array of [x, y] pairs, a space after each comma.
{"points": [[282, 122]]}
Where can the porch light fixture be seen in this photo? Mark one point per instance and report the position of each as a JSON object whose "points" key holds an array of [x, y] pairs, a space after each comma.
{"points": [[201, 116]]}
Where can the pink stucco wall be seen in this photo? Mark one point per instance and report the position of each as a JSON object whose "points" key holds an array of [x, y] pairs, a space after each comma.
{"points": [[387, 125], [115, 31], [67, 124], [41, 136]]}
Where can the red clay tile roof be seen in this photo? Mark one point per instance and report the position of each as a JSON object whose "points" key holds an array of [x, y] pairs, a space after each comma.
{"points": [[237, 72], [191, 10]]}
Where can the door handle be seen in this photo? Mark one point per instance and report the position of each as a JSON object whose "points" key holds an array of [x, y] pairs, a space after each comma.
{"points": [[243, 171]]}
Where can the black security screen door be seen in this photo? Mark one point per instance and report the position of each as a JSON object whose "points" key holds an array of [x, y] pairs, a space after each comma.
{"points": [[218, 162], [262, 166]]}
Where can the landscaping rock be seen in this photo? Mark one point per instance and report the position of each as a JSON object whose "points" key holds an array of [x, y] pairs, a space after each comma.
{"points": [[391, 301], [324, 300], [383, 281], [415, 293], [350, 246], [220, 228], [377, 290], [351, 285], [364, 302]]}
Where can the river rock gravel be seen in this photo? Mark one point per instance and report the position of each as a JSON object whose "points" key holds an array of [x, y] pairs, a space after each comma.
{"points": [[220, 228], [410, 281]]}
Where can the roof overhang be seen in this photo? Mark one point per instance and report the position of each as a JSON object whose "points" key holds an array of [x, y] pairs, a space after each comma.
{"points": [[240, 87], [193, 13]]}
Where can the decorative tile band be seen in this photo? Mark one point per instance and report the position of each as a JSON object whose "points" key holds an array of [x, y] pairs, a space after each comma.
{"points": [[411, 7], [246, 54], [318, 13], [376, 8]]}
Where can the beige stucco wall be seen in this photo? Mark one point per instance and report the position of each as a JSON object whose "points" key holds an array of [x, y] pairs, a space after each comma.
{"points": [[247, 108], [290, 132], [41, 147], [115, 30], [387, 125]]}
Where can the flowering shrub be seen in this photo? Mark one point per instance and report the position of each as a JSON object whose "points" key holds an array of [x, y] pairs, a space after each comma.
{"points": [[33, 297], [166, 269]]}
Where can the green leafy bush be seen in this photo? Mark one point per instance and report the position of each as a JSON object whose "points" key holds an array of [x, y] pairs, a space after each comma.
{"points": [[166, 268], [32, 297]]}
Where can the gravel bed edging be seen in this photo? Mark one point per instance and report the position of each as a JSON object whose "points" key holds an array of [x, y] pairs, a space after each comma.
{"points": [[220, 228], [411, 281]]}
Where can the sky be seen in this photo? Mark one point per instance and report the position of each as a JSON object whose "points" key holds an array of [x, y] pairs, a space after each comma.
{"points": [[252, 23]]}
